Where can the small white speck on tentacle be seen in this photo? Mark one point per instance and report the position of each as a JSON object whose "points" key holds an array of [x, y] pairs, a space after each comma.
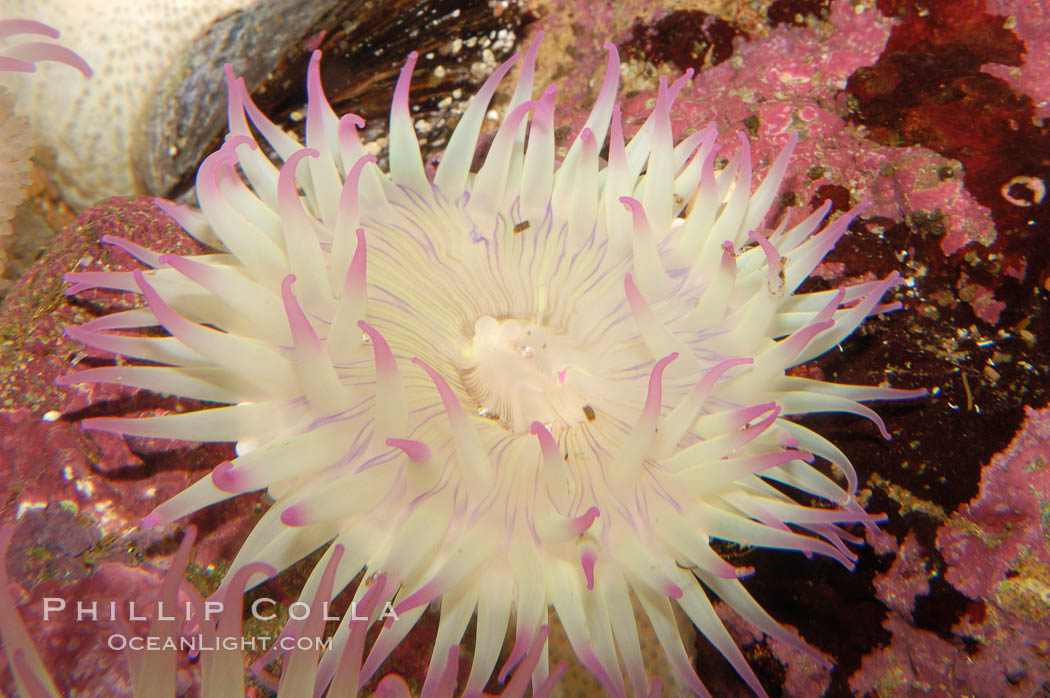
{"points": [[343, 341], [679, 420], [713, 449]]}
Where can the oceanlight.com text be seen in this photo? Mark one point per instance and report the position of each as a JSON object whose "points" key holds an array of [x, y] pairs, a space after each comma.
{"points": [[198, 643]]}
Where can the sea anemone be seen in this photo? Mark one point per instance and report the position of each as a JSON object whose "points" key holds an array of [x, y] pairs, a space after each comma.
{"points": [[15, 146], [535, 385]]}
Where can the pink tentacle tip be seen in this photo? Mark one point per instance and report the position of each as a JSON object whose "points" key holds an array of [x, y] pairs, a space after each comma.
{"points": [[584, 522], [655, 397], [588, 558], [353, 121], [290, 165], [417, 451], [18, 25], [881, 426], [640, 220], [392, 686], [886, 308], [633, 296], [453, 409], [859, 209], [772, 256], [420, 597], [224, 477], [295, 516], [384, 358], [893, 279], [672, 590], [236, 141], [878, 518], [517, 652], [401, 88], [547, 443], [746, 414], [151, 520], [140, 281]]}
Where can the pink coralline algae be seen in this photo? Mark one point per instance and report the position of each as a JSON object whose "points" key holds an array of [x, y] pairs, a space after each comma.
{"points": [[1031, 21], [78, 498], [75, 649], [793, 79], [997, 550], [114, 481]]}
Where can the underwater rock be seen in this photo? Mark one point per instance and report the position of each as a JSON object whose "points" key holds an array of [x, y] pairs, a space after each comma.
{"points": [[995, 549], [156, 104]]}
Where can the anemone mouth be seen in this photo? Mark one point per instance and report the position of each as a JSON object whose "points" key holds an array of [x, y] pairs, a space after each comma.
{"points": [[520, 371]]}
